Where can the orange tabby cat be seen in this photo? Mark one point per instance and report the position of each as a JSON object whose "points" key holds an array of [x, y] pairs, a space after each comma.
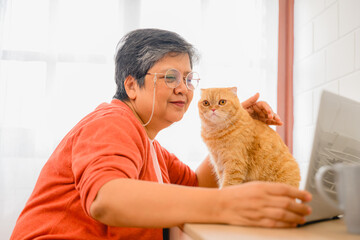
{"points": [[241, 148]]}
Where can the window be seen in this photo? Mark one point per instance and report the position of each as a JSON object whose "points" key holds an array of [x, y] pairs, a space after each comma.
{"points": [[237, 41], [56, 65]]}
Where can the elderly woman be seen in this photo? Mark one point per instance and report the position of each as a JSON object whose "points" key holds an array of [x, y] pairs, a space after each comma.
{"points": [[109, 178]]}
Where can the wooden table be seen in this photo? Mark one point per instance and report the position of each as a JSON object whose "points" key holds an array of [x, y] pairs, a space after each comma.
{"points": [[332, 229]]}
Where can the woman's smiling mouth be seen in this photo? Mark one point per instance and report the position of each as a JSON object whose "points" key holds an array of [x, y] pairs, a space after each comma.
{"points": [[178, 103]]}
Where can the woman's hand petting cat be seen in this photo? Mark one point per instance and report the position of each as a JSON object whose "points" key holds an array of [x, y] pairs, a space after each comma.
{"points": [[264, 204], [261, 111]]}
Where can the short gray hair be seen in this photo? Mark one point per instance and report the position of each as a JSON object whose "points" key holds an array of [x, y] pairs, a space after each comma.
{"points": [[140, 49]]}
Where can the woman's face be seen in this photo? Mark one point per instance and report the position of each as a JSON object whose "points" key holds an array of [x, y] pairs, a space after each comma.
{"points": [[170, 103]]}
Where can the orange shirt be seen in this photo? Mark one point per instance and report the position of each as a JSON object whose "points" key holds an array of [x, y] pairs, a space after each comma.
{"points": [[108, 143]]}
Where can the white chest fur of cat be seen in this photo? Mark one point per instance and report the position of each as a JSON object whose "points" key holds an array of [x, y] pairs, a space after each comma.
{"points": [[241, 148]]}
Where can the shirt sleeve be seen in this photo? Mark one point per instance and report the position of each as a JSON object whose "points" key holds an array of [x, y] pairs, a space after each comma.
{"points": [[179, 172], [104, 149]]}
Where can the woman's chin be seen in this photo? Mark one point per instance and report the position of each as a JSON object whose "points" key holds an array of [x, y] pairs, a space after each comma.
{"points": [[176, 117]]}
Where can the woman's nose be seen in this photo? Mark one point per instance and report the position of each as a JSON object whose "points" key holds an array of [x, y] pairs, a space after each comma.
{"points": [[182, 88]]}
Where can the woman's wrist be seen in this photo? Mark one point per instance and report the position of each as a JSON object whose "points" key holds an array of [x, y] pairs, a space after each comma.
{"points": [[217, 206]]}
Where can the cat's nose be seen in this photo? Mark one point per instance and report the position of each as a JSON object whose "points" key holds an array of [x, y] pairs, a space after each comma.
{"points": [[213, 109]]}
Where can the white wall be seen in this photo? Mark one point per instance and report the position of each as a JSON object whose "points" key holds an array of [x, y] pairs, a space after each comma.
{"points": [[327, 57]]}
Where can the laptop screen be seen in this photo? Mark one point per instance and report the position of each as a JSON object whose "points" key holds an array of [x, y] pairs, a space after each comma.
{"points": [[336, 140]]}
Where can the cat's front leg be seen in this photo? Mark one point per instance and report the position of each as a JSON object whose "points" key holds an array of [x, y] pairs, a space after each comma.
{"points": [[234, 173], [217, 169]]}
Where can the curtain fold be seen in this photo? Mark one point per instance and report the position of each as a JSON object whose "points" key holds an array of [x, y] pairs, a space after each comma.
{"points": [[285, 71], [3, 4]]}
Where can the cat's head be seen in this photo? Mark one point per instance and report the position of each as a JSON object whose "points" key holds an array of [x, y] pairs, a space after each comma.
{"points": [[218, 105]]}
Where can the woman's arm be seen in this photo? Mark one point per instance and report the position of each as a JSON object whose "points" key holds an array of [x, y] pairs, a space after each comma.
{"points": [[135, 203], [205, 174]]}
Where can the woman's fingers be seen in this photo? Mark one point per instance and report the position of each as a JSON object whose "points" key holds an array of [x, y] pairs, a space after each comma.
{"points": [[284, 215], [291, 213], [266, 109], [263, 112], [279, 215], [260, 112], [289, 205], [280, 203], [251, 101], [267, 204], [281, 189]]}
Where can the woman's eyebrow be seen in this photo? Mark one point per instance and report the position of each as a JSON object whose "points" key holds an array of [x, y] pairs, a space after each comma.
{"points": [[165, 69]]}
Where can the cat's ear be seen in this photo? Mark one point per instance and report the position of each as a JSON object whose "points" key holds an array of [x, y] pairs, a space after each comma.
{"points": [[234, 90]]}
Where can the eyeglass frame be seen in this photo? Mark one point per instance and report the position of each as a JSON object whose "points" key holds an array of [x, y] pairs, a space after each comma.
{"points": [[178, 82]]}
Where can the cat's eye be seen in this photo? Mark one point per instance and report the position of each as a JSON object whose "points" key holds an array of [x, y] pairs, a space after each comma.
{"points": [[206, 103], [222, 102]]}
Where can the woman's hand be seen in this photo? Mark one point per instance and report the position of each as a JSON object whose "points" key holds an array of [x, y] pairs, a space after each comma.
{"points": [[264, 204], [261, 111]]}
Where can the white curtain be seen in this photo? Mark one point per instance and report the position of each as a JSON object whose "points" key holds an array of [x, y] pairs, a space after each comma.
{"points": [[4, 186], [56, 65]]}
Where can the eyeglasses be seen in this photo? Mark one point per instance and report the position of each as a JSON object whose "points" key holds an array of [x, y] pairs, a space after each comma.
{"points": [[173, 78]]}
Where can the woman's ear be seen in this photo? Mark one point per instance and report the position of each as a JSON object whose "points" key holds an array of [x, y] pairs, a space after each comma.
{"points": [[130, 85]]}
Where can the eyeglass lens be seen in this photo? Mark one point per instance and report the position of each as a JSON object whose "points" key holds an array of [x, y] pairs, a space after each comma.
{"points": [[173, 79]]}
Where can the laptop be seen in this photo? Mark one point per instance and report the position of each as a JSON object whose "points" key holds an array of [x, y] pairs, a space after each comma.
{"points": [[336, 140]]}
